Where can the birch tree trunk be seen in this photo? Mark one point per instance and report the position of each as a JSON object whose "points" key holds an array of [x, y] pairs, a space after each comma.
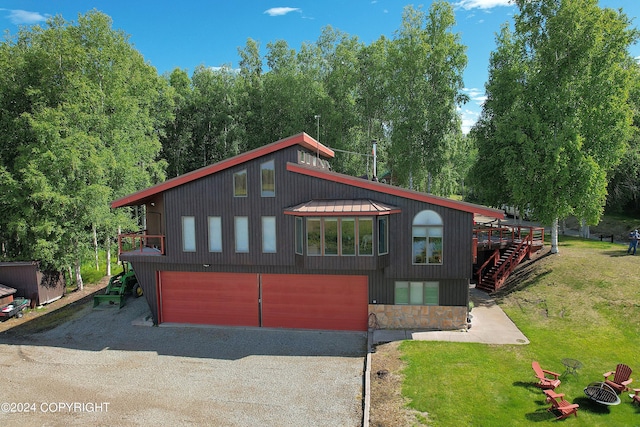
{"points": [[585, 232], [108, 256], [95, 245], [79, 282], [554, 236]]}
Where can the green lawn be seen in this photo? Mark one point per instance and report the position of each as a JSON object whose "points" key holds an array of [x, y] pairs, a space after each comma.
{"points": [[583, 303]]}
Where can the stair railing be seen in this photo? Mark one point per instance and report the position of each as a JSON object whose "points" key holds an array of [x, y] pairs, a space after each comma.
{"points": [[510, 263], [493, 258]]}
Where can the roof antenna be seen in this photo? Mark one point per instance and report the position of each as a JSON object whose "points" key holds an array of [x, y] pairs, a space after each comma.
{"points": [[374, 151], [317, 117]]}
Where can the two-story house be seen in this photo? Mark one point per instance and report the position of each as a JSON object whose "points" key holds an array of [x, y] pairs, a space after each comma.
{"points": [[274, 238]]}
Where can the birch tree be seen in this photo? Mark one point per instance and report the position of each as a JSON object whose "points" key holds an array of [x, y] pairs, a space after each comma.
{"points": [[426, 61], [566, 119], [85, 133]]}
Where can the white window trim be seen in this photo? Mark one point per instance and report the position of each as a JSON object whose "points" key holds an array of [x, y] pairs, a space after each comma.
{"points": [[427, 221], [241, 234], [269, 235], [188, 234], [215, 233]]}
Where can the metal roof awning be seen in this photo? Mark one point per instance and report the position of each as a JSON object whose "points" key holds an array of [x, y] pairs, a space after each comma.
{"points": [[341, 208]]}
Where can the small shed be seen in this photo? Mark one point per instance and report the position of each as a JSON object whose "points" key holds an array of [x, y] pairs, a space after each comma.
{"points": [[6, 295], [41, 287]]}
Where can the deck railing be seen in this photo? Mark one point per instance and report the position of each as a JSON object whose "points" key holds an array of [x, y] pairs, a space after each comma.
{"points": [[146, 244], [499, 237]]}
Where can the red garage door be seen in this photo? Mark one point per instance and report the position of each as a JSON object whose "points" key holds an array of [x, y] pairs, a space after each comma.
{"points": [[208, 298], [315, 301]]}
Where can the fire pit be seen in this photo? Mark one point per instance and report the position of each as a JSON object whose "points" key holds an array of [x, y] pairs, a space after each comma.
{"points": [[602, 394]]}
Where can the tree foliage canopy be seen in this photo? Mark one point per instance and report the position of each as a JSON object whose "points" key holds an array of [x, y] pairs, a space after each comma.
{"points": [[558, 118], [80, 112]]}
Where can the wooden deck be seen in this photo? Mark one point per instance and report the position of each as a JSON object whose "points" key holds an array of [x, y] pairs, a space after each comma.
{"points": [[141, 244], [501, 249]]}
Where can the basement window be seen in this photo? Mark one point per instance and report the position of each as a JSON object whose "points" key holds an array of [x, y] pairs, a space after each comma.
{"points": [[417, 293]]}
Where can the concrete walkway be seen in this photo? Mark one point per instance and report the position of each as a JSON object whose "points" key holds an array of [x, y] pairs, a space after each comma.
{"points": [[489, 325]]}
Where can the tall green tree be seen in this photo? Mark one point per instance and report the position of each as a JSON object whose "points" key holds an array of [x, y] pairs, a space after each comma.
{"points": [[178, 141], [563, 120], [495, 132], [250, 94], [85, 132], [427, 61], [623, 191]]}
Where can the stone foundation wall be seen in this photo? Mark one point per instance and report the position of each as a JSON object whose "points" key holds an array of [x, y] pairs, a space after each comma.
{"points": [[419, 316]]}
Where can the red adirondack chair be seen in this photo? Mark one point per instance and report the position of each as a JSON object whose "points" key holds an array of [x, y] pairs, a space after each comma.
{"points": [[635, 398], [621, 378], [544, 382], [560, 406]]}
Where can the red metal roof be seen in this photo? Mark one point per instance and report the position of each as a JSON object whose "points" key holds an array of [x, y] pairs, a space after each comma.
{"points": [[301, 139], [341, 207], [396, 191], [308, 142]]}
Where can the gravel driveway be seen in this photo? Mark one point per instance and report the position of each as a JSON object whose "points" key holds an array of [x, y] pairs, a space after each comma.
{"points": [[100, 369]]}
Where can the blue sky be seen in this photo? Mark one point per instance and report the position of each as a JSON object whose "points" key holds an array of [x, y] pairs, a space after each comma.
{"points": [[186, 34]]}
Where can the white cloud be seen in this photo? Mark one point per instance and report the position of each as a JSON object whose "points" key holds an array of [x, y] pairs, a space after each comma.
{"points": [[279, 11], [469, 118], [19, 17], [476, 95], [481, 4]]}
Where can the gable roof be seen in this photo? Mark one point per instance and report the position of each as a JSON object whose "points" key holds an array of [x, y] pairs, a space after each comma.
{"points": [[396, 191], [309, 143], [301, 139]]}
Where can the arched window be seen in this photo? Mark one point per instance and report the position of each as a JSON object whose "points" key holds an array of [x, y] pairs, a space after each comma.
{"points": [[427, 238]]}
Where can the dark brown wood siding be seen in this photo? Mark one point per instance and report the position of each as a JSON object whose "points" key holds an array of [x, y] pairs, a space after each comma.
{"points": [[213, 196]]}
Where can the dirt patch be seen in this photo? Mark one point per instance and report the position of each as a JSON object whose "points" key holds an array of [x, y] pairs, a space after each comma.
{"points": [[55, 313], [388, 406]]}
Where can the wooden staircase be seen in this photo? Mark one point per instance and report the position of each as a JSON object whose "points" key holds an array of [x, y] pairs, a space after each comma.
{"points": [[494, 272]]}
